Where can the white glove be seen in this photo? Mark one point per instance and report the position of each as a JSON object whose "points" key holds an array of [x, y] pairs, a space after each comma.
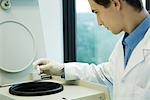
{"points": [[49, 67]]}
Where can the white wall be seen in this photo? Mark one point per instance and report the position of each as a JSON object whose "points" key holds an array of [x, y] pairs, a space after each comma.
{"points": [[51, 14]]}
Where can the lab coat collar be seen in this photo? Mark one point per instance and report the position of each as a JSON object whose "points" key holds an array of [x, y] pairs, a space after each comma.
{"points": [[120, 56], [139, 53]]}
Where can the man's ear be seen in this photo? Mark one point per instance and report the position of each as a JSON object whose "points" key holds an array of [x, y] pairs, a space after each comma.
{"points": [[117, 4]]}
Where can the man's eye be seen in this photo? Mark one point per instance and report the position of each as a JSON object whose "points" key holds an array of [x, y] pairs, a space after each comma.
{"points": [[95, 12]]}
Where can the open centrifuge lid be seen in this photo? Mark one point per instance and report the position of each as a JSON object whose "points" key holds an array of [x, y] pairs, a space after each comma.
{"points": [[17, 46]]}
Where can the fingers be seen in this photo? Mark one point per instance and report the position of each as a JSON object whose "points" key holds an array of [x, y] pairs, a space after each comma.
{"points": [[45, 69], [41, 61], [45, 66], [37, 69], [41, 65]]}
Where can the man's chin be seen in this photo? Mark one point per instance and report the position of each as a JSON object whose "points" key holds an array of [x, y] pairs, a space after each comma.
{"points": [[115, 33]]}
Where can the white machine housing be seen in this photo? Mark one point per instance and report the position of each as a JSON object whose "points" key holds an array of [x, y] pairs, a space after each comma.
{"points": [[21, 40], [73, 90]]}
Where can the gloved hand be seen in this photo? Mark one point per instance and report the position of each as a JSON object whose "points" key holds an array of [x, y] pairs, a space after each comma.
{"points": [[49, 67]]}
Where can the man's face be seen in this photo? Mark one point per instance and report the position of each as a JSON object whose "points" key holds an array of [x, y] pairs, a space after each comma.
{"points": [[110, 17]]}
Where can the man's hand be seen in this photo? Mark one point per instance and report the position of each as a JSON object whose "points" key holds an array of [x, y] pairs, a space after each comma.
{"points": [[49, 67]]}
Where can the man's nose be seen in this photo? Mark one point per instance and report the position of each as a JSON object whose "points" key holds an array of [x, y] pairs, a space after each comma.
{"points": [[99, 22]]}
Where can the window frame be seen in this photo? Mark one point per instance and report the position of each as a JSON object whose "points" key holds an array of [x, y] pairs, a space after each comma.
{"points": [[69, 30], [148, 5]]}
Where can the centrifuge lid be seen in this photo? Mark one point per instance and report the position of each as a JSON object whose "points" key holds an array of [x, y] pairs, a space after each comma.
{"points": [[35, 88], [17, 46]]}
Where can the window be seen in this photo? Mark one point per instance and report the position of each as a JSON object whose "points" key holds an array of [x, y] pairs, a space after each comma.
{"points": [[94, 43]]}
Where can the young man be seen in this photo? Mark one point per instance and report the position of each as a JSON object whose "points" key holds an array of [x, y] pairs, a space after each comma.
{"points": [[128, 68]]}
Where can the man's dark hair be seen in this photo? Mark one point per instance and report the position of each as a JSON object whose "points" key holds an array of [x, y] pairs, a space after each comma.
{"points": [[137, 4]]}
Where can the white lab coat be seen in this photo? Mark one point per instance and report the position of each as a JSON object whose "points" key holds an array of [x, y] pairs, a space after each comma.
{"points": [[131, 83]]}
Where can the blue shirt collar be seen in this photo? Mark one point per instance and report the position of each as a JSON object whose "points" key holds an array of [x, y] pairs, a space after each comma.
{"points": [[134, 38]]}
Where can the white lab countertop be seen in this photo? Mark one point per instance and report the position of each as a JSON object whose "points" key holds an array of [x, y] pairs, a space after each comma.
{"points": [[77, 90]]}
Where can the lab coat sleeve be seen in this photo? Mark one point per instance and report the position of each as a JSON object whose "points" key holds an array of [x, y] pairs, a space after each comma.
{"points": [[104, 72], [90, 72]]}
